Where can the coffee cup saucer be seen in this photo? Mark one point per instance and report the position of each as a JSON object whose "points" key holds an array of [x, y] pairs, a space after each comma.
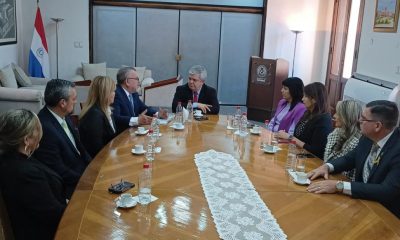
{"points": [[178, 128], [300, 182], [131, 202], [141, 133], [273, 150], [138, 153], [255, 132], [198, 115]]}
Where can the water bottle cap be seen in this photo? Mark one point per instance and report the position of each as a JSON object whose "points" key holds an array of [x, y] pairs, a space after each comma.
{"points": [[146, 165], [293, 141], [237, 107], [151, 130], [266, 121], [244, 114]]}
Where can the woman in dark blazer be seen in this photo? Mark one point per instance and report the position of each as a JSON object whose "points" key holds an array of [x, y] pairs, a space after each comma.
{"points": [[96, 124], [33, 193], [312, 130]]}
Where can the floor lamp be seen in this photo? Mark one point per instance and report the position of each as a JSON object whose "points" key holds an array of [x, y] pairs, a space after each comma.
{"points": [[295, 44], [57, 20]]}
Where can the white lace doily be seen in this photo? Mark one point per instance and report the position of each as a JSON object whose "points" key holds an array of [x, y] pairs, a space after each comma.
{"points": [[237, 209]]}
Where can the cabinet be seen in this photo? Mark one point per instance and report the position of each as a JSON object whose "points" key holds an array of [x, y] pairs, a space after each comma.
{"points": [[170, 41], [264, 84]]}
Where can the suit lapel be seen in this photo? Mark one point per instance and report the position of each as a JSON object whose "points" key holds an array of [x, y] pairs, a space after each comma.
{"points": [[61, 131], [389, 144]]}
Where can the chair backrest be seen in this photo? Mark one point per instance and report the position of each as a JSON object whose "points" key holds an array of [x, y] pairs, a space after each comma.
{"points": [[6, 231], [161, 93]]}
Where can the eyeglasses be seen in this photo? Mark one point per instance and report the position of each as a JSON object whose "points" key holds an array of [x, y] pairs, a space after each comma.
{"points": [[194, 79], [136, 78], [367, 120]]}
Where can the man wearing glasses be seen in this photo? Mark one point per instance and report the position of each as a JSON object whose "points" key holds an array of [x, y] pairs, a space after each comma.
{"points": [[203, 97], [128, 109], [376, 160]]}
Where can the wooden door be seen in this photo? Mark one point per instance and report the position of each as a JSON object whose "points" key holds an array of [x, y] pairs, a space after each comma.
{"points": [[337, 50]]}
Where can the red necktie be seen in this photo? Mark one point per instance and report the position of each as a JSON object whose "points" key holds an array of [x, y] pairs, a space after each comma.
{"points": [[195, 97]]}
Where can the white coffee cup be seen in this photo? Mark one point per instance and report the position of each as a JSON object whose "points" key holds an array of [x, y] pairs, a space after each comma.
{"points": [[138, 148], [269, 148], [197, 112], [301, 176], [141, 129], [256, 128], [178, 125], [125, 198]]}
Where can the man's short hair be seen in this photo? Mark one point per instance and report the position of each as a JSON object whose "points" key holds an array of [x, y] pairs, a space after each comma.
{"points": [[199, 70], [384, 111], [57, 89], [123, 74]]}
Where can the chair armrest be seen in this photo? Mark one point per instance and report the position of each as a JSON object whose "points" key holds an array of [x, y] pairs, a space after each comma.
{"points": [[39, 81], [23, 95]]}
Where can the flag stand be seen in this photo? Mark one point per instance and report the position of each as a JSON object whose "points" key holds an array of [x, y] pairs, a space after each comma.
{"points": [[57, 20]]}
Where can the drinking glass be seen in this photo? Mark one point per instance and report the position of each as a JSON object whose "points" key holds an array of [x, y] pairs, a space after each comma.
{"points": [[301, 163]]}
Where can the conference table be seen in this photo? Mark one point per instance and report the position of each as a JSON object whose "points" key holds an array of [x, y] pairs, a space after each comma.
{"points": [[182, 211]]}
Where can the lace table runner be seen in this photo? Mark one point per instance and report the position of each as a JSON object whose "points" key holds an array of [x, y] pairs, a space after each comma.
{"points": [[237, 209]]}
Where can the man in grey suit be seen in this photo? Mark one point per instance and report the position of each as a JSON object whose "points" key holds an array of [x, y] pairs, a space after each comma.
{"points": [[376, 160], [60, 148]]}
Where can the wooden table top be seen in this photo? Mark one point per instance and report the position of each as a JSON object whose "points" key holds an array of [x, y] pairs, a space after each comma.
{"points": [[182, 212]]}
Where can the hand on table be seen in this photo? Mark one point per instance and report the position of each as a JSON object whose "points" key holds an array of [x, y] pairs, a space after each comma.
{"points": [[204, 107], [326, 186], [143, 119]]}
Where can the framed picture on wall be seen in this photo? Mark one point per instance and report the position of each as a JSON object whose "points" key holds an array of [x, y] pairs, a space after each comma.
{"points": [[386, 15], [8, 22]]}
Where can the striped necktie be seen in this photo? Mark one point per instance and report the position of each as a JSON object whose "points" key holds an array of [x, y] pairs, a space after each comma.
{"points": [[369, 163], [133, 105], [195, 96]]}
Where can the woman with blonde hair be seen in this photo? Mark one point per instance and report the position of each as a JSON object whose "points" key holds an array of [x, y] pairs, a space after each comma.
{"points": [[96, 124], [33, 194], [346, 134]]}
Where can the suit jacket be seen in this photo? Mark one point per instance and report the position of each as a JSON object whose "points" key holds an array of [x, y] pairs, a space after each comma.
{"points": [[58, 153], [208, 95], [315, 134], [123, 109], [33, 194], [383, 184], [95, 130]]}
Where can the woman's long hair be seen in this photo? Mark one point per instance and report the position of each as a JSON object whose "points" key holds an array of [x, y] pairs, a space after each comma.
{"points": [[99, 92], [296, 89], [348, 111], [316, 91]]}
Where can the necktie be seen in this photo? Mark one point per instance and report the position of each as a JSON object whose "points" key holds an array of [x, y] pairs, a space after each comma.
{"points": [[195, 96], [131, 101], [369, 162], [69, 134]]}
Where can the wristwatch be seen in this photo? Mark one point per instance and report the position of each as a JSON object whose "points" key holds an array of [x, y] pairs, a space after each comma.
{"points": [[339, 186]]}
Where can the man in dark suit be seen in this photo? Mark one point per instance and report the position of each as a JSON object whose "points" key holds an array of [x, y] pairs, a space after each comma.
{"points": [[376, 160], [203, 97], [60, 148], [128, 109]]}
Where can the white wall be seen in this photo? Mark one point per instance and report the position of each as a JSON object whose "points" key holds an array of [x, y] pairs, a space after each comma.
{"points": [[314, 17], [75, 28], [379, 54]]}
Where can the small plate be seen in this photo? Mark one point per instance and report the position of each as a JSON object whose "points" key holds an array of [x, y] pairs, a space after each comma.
{"points": [[293, 175], [255, 133], [130, 203], [275, 150], [141, 133], [197, 115], [178, 128], [230, 128], [138, 153]]}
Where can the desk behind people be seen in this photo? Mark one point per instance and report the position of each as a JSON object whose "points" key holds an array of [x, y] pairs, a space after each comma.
{"points": [[182, 210]]}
